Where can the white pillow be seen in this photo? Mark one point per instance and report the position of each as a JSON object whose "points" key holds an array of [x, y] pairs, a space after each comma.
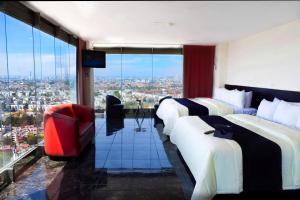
{"points": [[227, 95], [294, 103], [222, 94], [218, 94], [276, 100], [237, 98], [287, 114], [233, 97], [248, 99], [266, 109]]}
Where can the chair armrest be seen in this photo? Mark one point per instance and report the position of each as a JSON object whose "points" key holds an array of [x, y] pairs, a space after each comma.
{"points": [[61, 134], [84, 113]]}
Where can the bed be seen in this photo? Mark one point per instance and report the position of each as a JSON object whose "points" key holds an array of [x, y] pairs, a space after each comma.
{"points": [[218, 164], [170, 110]]}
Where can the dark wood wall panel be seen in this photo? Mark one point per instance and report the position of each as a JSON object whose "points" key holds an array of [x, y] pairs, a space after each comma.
{"points": [[269, 94]]}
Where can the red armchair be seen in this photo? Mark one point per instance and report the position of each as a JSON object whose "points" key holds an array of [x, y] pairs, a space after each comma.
{"points": [[68, 129]]}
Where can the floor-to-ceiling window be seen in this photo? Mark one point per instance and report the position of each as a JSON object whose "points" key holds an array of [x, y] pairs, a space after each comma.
{"points": [[21, 68], [137, 80], [107, 81], [37, 70], [5, 140], [167, 76], [147, 77]]}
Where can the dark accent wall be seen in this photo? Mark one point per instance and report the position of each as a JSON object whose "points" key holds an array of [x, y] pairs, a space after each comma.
{"points": [[269, 94]]}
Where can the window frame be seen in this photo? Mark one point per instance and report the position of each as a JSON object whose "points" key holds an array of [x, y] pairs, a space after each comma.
{"points": [[19, 11]]}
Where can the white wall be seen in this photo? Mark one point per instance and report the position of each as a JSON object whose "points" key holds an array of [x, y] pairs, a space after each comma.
{"points": [[220, 68], [269, 59]]}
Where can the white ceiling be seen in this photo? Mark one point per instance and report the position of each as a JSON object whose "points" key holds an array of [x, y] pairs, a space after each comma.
{"points": [[166, 23]]}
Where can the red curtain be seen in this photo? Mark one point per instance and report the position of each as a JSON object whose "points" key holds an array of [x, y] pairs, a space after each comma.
{"points": [[198, 69]]}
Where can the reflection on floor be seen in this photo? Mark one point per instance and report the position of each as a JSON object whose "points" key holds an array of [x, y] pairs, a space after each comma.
{"points": [[128, 160], [131, 148]]}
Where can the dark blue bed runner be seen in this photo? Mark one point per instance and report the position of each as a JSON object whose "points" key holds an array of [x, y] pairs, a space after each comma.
{"points": [[261, 157], [194, 108]]}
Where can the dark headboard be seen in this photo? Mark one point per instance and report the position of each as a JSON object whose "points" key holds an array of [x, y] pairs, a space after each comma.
{"points": [[269, 94]]}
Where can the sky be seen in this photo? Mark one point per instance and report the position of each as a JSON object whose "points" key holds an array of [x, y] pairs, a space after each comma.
{"points": [[22, 40], [140, 66]]}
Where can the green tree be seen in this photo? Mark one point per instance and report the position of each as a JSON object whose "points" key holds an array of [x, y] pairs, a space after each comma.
{"points": [[117, 94], [31, 139]]}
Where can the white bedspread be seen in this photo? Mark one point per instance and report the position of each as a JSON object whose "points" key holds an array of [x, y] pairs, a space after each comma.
{"points": [[216, 163], [215, 107], [170, 110], [287, 138]]}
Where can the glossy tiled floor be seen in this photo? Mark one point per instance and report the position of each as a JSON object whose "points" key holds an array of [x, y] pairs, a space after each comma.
{"points": [[131, 148], [128, 160]]}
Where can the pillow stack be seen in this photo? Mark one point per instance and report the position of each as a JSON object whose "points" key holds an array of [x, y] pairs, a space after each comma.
{"points": [[239, 99], [266, 109], [286, 113]]}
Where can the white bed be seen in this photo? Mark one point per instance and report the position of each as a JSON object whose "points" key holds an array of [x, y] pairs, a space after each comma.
{"points": [[170, 110], [216, 163]]}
